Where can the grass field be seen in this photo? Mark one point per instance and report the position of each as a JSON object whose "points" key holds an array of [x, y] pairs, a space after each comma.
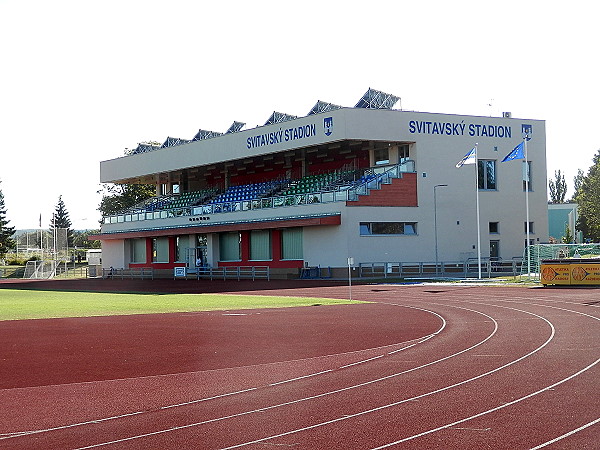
{"points": [[30, 304]]}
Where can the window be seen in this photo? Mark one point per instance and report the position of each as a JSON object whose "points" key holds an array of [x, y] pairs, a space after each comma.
{"points": [[229, 246], [381, 156], [291, 243], [138, 251], [493, 227], [403, 153], [527, 176], [260, 245], [486, 174], [388, 228], [160, 250], [530, 228]]}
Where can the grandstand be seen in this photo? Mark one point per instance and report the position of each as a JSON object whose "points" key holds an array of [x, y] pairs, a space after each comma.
{"points": [[370, 182]]}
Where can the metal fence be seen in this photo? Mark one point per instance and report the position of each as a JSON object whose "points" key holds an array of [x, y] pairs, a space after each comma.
{"points": [[460, 269]]}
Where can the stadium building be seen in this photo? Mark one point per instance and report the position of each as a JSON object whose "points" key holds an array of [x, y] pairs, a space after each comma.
{"points": [[370, 183]]}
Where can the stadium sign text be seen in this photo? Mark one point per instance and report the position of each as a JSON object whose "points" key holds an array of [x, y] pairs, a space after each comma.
{"points": [[459, 129], [282, 135]]}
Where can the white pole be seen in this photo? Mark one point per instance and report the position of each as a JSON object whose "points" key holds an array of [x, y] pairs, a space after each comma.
{"points": [[527, 207], [435, 224], [477, 208], [350, 262]]}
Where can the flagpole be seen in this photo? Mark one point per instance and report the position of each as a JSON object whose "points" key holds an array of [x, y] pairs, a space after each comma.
{"points": [[527, 207], [477, 208]]}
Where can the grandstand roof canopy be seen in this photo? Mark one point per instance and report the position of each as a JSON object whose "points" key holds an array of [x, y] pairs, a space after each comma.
{"points": [[372, 99]]}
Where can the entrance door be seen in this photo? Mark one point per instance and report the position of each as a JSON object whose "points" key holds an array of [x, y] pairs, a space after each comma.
{"points": [[494, 249]]}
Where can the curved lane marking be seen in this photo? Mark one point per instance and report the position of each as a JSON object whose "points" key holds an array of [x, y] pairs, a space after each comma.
{"points": [[229, 394], [267, 408]]}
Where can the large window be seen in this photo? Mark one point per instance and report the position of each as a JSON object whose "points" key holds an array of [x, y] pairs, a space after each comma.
{"points": [[160, 250], [291, 243], [387, 228], [487, 174], [260, 245], [181, 246], [229, 246], [138, 251]]}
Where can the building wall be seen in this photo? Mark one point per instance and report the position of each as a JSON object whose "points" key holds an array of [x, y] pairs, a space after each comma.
{"points": [[437, 142]]}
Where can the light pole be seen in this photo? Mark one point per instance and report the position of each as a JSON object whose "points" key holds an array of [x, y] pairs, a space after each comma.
{"points": [[435, 222]]}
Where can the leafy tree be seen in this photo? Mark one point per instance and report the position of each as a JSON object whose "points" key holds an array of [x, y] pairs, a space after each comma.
{"points": [[558, 188], [6, 232], [577, 181], [588, 199], [117, 198], [80, 239], [568, 237], [61, 219]]}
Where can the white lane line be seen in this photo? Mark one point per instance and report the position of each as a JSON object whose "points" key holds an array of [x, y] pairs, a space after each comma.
{"points": [[382, 407], [570, 433], [443, 427], [267, 408], [301, 378], [547, 388], [191, 402]]}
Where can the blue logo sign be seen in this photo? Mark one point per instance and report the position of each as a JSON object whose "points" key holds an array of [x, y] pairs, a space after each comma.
{"points": [[526, 131], [328, 125]]}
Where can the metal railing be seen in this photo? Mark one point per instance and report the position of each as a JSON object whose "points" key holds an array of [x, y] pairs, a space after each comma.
{"points": [[134, 273], [234, 273], [350, 192], [489, 267]]}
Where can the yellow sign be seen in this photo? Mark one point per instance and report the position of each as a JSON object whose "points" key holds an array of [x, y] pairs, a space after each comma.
{"points": [[570, 273]]}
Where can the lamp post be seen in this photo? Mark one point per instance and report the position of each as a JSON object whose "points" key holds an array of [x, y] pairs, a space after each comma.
{"points": [[435, 222]]}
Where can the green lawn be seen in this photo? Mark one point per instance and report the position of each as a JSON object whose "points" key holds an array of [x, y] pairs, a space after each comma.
{"points": [[29, 304]]}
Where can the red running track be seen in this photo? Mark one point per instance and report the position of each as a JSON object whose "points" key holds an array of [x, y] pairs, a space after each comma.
{"points": [[436, 366]]}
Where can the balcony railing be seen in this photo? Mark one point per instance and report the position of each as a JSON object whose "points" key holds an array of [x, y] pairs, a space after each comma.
{"points": [[381, 175]]}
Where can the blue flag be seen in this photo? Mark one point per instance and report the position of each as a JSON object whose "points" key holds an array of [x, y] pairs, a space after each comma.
{"points": [[517, 153], [469, 158]]}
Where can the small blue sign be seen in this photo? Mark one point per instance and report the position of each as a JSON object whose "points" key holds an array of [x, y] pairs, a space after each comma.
{"points": [[179, 272], [328, 125]]}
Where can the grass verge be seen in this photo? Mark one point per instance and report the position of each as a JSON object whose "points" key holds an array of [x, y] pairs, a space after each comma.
{"points": [[27, 304]]}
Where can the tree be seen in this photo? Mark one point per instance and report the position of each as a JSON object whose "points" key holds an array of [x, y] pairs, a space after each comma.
{"points": [[6, 241], [568, 237], [558, 188], [577, 181], [81, 241], [588, 199], [60, 219], [116, 198]]}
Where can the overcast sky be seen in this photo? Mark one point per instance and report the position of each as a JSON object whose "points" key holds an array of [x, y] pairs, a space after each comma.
{"points": [[83, 80]]}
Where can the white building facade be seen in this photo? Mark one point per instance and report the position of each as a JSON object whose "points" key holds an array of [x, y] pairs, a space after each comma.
{"points": [[373, 184]]}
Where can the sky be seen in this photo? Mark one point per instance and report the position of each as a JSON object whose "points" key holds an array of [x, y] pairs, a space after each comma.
{"points": [[81, 81]]}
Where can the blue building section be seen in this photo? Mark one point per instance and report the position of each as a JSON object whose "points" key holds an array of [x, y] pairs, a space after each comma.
{"points": [[559, 216]]}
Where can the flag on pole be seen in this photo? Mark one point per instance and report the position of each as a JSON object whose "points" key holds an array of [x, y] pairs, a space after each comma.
{"points": [[517, 153], [40, 220], [469, 158]]}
